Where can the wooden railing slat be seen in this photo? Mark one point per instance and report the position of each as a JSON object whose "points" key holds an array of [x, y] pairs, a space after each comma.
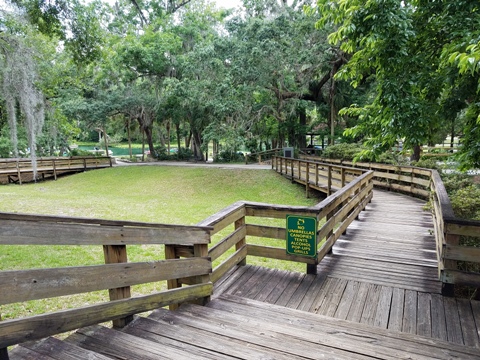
{"points": [[18, 232], [40, 326], [24, 285]]}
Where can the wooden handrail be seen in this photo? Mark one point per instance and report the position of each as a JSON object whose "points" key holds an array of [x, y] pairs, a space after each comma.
{"points": [[337, 211], [21, 170], [448, 228], [116, 275], [265, 155]]}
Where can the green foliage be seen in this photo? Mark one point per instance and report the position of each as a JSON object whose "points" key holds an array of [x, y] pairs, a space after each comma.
{"points": [[183, 154], [455, 181], [342, 151], [423, 58], [80, 152], [5, 147], [228, 156], [466, 202]]}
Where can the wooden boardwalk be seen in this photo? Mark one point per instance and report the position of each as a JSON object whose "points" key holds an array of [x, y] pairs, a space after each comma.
{"points": [[21, 170], [381, 273], [375, 297], [232, 327]]}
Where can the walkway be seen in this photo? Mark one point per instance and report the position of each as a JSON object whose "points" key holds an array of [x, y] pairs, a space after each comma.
{"points": [[376, 296], [381, 273]]}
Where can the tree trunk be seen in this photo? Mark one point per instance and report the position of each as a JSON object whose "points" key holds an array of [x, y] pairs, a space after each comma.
{"points": [[188, 139], [106, 141], [416, 153], [452, 134], [168, 136], [302, 136], [197, 145], [177, 129], [148, 133], [332, 112], [129, 135]]}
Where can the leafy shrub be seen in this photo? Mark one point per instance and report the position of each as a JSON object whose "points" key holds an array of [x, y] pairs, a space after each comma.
{"points": [[455, 181], [5, 147], [429, 163], [183, 154], [79, 152], [466, 202], [342, 151], [229, 156]]}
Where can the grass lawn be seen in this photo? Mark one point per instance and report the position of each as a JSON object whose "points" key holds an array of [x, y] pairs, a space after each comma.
{"points": [[161, 194]]}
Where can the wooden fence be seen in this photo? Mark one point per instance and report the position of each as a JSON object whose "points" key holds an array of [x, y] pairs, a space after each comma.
{"points": [[188, 259], [457, 240], [21, 170], [263, 156], [116, 275], [335, 213]]}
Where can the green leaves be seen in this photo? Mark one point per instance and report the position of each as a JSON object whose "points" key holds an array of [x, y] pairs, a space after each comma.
{"points": [[411, 48]]}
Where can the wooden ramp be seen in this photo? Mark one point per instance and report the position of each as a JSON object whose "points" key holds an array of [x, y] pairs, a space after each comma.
{"points": [[235, 328], [375, 296], [381, 273]]}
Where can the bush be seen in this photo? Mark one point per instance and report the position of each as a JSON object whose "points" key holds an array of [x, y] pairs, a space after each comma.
{"points": [[342, 151], [429, 163], [78, 152], [466, 202], [455, 181], [229, 156], [5, 147], [183, 154]]}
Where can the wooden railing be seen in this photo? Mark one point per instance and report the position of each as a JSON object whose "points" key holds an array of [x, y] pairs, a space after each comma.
{"points": [[333, 215], [451, 253], [21, 170], [323, 177], [408, 179], [262, 156], [116, 275], [455, 258]]}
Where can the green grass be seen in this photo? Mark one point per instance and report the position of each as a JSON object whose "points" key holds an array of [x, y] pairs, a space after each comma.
{"points": [[161, 194]]}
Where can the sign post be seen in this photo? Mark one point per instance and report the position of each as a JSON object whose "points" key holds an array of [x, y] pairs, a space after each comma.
{"points": [[301, 236]]}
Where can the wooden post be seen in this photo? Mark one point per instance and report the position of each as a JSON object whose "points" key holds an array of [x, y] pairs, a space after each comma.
{"points": [[329, 182], [118, 254], [201, 250], [238, 224], [312, 269], [3, 352], [307, 180], [54, 170], [449, 289], [330, 233], [292, 170], [316, 174], [19, 173], [173, 283], [342, 172]]}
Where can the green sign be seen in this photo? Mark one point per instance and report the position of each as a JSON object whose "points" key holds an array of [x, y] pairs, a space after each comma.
{"points": [[301, 236]]}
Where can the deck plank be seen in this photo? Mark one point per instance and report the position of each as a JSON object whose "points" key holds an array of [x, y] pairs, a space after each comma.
{"points": [[382, 312], [424, 317], [454, 328], [467, 322], [356, 309], [347, 299], [399, 344]]}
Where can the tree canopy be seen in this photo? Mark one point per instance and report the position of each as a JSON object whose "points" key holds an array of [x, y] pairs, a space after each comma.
{"points": [[259, 77], [423, 58]]}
